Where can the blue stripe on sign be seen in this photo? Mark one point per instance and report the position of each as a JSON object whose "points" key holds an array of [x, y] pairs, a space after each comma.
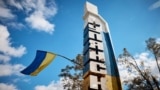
{"points": [[110, 60], [40, 55]]}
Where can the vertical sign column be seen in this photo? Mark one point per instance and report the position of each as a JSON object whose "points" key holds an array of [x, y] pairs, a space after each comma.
{"points": [[94, 64]]}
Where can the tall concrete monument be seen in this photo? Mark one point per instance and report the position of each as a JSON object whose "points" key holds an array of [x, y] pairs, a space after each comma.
{"points": [[100, 69]]}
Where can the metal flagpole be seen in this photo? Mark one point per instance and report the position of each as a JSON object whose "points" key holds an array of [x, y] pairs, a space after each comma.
{"points": [[68, 59]]}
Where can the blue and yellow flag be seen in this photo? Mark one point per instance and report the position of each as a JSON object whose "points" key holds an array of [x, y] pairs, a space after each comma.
{"points": [[41, 60]]}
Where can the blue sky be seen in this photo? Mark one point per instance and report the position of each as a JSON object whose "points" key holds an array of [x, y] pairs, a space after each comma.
{"points": [[57, 26]]}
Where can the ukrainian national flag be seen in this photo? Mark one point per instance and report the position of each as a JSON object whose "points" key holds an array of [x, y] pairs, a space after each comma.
{"points": [[41, 60]]}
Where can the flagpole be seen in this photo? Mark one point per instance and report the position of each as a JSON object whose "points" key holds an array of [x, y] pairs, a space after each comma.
{"points": [[68, 59]]}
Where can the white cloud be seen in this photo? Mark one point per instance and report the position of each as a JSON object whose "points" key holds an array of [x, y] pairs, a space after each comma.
{"points": [[143, 56], [16, 25], [38, 12], [9, 69], [2, 3], [155, 5], [42, 12], [6, 49], [158, 40], [39, 23], [149, 62], [15, 3], [52, 86], [4, 58], [23, 80], [124, 74], [6, 13], [28, 5], [154, 68], [4, 86]]}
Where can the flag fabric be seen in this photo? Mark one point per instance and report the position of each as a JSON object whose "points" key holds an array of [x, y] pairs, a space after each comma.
{"points": [[41, 60]]}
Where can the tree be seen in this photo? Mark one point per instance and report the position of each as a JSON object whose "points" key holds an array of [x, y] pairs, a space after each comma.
{"points": [[154, 47], [144, 80], [72, 75]]}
